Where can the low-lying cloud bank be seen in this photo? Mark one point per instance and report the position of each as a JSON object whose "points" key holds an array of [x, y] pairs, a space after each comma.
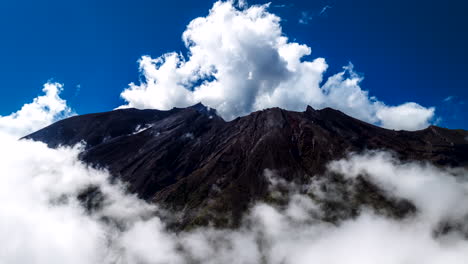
{"points": [[240, 61], [45, 218]]}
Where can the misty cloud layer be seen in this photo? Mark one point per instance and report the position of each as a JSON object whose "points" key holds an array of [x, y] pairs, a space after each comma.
{"points": [[239, 61], [43, 220]]}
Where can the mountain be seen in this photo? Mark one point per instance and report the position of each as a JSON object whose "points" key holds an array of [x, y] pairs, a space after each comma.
{"points": [[210, 171]]}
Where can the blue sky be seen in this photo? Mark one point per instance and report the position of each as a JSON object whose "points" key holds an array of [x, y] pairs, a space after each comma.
{"points": [[406, 50]]}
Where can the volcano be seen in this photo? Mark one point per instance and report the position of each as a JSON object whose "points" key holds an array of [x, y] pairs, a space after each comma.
{"points": [[210, 171]]}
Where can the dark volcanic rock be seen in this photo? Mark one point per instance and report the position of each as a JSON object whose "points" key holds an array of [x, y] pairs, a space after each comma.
{"points": [[193, 161]]}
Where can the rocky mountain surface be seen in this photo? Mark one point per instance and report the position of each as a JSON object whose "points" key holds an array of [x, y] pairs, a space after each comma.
{"points": [[210, 171]]}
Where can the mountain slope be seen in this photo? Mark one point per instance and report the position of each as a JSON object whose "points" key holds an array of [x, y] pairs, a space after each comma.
{"points": [[209, 170]]}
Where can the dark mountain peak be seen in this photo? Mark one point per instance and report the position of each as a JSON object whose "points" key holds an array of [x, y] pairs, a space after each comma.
{"points": [[199, 105], [310, 109], [204, 109], [189, 159], [266, 119], [332, 113]]}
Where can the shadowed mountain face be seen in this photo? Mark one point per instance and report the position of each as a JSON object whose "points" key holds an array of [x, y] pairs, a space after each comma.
{"points": [[209, 170]]}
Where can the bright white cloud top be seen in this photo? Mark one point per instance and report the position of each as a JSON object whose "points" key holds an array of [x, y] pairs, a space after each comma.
{"points": [[240, 61], [44, 110]]}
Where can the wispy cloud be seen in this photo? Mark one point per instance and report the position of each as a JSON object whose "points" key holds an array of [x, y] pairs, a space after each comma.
{"points": [[77, 90], [448, 99], [283, 5], [323, 11], [280, 5]]}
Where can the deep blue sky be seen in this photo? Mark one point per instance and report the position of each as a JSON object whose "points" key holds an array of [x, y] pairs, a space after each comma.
{"points": [[407, 50]]}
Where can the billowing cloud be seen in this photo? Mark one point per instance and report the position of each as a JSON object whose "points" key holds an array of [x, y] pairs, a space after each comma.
{"points": [[44, 222], [239, 61], [44, 110], [415, 182], [408, 116]]}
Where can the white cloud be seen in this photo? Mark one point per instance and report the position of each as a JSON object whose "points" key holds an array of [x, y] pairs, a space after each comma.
{"points": [[435, 191], [147, 242], [408, 116], [44, 110], [240, 61], [44, 222], [33, 177]]}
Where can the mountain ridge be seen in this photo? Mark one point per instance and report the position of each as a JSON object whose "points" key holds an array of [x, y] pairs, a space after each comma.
{"points": [[192, 161]]}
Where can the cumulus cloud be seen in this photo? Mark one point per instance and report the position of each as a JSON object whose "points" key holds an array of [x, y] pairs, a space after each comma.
{"points": [[239, 60], [44, 110], [408, 116]]}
